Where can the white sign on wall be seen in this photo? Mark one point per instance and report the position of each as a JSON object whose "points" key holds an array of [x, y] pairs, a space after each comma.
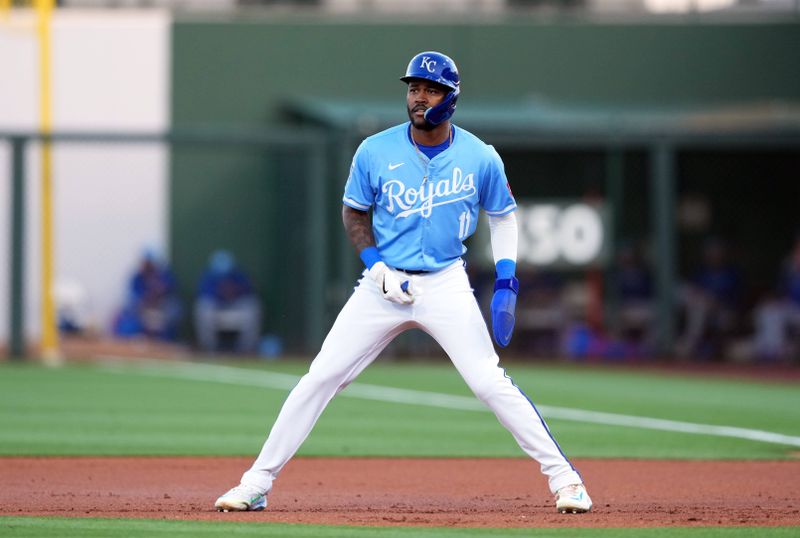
{"points": [[562, 233]]}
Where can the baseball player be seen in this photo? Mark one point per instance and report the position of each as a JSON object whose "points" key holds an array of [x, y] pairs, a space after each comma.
{"points": [[424, 183]]}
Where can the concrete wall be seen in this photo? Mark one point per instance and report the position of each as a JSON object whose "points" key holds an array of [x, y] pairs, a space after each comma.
{"points": [[110, 73]]}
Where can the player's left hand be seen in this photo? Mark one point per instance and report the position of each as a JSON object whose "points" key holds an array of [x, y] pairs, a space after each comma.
{"points": [[503, 304]]}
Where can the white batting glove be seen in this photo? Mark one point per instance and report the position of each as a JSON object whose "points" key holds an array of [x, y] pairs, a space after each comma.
{"points": [[390, 285]]}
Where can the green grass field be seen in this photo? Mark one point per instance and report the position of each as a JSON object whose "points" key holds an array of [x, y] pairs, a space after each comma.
{"points": [[133, 528], [86, 410], [226, 409]]}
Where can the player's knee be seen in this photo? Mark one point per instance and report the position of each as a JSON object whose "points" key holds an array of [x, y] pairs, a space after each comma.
{"points": [[323, 378], [487, 383], [482, 388]]}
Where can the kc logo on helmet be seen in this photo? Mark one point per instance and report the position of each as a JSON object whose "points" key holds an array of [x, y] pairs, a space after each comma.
{"points": [[428, 64]]}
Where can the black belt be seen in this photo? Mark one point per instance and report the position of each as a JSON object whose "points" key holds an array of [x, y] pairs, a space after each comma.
{"points": [[413, 271]]}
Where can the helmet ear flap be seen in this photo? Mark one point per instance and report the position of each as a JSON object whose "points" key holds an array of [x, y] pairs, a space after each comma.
{"points": [[444, 110]]}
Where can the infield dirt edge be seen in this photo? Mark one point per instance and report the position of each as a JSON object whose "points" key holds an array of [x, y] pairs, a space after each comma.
{"points": [[439, 492]]}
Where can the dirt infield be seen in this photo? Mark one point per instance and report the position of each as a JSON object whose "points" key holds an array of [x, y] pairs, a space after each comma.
{"points": [[407, 492]]}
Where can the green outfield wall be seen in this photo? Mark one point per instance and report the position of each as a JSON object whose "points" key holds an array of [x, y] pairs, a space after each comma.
{"points": [[242, 72]]}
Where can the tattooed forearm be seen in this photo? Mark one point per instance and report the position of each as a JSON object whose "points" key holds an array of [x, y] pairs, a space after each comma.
{"points": [[358, 226]]}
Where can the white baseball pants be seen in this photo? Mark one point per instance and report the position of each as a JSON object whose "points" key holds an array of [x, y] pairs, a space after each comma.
{"points": [[445, 308]]}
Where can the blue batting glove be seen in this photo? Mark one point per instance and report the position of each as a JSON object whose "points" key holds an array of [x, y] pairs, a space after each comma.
{"points": [[504, 301]]}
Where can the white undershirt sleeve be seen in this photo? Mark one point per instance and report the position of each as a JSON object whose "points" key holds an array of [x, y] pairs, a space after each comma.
{"points": [[503, 231]]}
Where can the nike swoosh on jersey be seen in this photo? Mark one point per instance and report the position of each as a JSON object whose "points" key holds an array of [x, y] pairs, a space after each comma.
{"points": [[393, 166]]}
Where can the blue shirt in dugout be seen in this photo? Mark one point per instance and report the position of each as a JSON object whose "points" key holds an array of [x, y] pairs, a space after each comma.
{"points": [[423, 209]]}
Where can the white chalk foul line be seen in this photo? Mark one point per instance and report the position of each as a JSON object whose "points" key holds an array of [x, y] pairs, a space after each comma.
{"points": [[275, 380]]}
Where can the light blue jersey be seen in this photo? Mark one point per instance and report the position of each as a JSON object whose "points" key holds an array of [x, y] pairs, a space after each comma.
{"points": [[423, 209]]}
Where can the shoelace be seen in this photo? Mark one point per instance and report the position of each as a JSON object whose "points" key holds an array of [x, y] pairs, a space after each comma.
{"points": [[568, 491], [247, 491]]}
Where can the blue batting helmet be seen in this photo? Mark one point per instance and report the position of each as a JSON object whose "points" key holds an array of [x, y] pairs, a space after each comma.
{"points": [[441, 69]]}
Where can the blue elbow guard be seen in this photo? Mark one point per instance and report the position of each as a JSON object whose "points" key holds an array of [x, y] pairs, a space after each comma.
{"points": [[503, 304]]}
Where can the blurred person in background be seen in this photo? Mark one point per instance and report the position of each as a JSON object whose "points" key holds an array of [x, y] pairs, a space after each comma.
{"points": [[542, 313], [634, 287], [74, 307], [152, 309], [227, 313], [712, 302], [777, 316]]}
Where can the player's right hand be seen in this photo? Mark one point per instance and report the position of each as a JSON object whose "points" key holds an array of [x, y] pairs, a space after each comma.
{"points": [[390, 285]]}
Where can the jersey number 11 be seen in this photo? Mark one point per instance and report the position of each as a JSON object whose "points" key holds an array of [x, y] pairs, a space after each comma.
{"points": [[463, 224]]}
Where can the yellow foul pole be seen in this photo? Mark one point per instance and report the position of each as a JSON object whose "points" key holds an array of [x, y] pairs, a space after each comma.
{"points": [[49, 343]]}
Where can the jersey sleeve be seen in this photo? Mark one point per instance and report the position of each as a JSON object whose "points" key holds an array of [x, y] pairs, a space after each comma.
{"points": [[496, 196], [358, 191]]}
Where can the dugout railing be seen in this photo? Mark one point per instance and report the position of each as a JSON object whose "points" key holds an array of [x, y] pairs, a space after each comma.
{"points": [[309, 144], [323, 277]]}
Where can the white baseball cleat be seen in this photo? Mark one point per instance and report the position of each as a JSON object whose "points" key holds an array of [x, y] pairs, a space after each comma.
{"points": [[573, 499], [242, 498]]}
